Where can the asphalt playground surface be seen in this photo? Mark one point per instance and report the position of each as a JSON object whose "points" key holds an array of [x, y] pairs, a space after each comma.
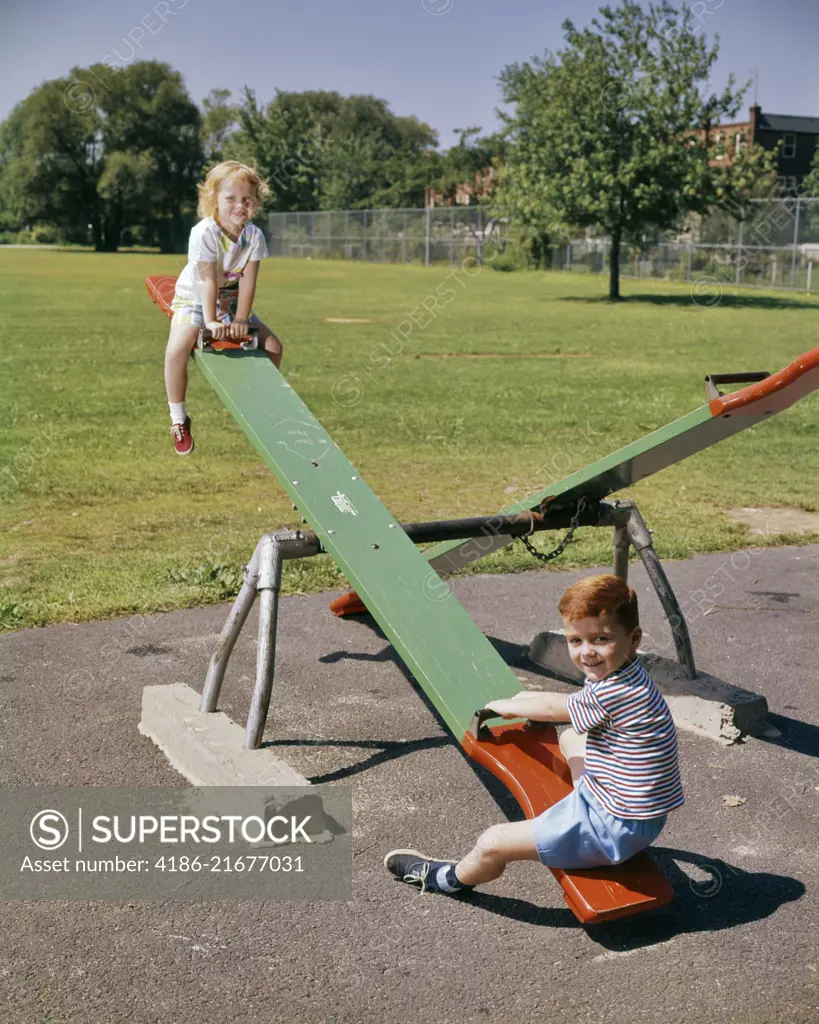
{"points": [[738, 944]]}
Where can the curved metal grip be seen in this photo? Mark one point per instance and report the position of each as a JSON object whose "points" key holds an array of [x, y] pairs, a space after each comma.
{"points": [[206, 343], [477, 720], [476, 728], [713, 381]]}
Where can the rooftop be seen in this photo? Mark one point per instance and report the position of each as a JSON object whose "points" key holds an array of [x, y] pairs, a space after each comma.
{"points": [[789, 123]]}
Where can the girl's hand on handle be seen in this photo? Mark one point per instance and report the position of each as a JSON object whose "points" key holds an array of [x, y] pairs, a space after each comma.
{"points": [[238, 329], [217, 329]]}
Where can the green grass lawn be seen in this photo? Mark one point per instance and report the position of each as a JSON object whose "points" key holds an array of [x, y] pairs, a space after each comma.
{"points": [[101, 518]]}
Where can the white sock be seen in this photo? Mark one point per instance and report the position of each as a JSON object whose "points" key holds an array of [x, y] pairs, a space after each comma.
{"points": [[178, 414], [442, 881]]}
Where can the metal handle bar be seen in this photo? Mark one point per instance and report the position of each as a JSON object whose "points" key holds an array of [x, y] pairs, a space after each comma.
{"points": [[713, 380]]}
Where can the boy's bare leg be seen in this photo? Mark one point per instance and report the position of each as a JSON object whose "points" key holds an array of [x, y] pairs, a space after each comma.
{"points": [[496, 848], [181, 340], [573, 748]]}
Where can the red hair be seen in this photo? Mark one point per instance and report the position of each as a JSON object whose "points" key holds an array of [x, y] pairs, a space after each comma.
{"points": [[601, 595]]}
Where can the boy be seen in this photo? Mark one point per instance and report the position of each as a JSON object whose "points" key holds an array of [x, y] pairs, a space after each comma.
{"points": [[621, 750]]}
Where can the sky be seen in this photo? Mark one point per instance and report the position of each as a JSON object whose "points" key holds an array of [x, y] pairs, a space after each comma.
{"points": [[436, 59]]}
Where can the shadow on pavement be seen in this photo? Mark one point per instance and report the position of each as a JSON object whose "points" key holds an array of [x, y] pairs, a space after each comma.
{"points": [[386, 751], [799, 736], [516, 655], [713, 897], [727, 898]]}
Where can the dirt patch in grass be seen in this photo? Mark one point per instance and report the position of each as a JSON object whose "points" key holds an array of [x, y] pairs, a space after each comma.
{"points": [[505, 355], [768, 519], [349, 320]]}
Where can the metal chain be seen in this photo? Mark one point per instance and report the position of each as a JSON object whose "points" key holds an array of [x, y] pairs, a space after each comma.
{"points": [[543, 556]]}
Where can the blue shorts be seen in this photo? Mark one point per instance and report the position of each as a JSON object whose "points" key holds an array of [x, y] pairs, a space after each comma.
{"points": [[578, 832]]}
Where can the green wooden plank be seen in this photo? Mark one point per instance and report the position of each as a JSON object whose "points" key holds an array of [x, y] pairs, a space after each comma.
{"points": [[452, 660], [642, 458]]}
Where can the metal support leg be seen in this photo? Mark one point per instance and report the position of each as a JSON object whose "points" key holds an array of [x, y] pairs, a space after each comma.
{"points": [[230, 634], [641, 540], [621, 549], [270, 581], [288, 544]]}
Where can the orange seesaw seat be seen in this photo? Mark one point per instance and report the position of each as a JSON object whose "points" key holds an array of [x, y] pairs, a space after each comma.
{"points": [[348, 604]]}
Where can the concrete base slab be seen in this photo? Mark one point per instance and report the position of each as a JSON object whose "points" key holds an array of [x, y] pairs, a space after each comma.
{"points": [[706, 705], [207, 748]]}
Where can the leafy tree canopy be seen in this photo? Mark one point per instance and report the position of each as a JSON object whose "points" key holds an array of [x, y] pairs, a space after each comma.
{"points": [[110, 147], [612, 131], [324, 151], [219, 124]]}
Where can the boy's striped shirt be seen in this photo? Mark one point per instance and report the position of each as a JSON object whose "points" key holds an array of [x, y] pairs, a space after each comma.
{"points": [[632, 765]]}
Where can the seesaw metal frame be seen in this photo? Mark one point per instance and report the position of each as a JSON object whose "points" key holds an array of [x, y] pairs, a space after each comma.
{"points": [[263, 574]]}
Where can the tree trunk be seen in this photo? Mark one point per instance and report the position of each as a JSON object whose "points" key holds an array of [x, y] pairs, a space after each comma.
{"points": [[540, 250], [543, 240], [112, 229], [614, 266]]}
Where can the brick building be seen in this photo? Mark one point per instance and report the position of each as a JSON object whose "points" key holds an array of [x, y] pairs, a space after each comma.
{"points": [[466, 193], [797, 139]]}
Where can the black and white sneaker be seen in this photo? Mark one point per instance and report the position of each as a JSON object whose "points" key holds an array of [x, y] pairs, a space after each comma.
{"points": [[418, 869]]}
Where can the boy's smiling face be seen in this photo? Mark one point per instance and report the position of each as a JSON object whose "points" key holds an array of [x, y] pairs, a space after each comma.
{"points": [[598, 645]]}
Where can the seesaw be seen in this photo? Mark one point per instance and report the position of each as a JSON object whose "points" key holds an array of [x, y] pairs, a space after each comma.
{"points": [[450, 658]]}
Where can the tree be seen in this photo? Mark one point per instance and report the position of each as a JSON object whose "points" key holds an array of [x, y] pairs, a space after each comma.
{"points": [[105, 147], [614, 132], [323, 151], [810, 193], [220, 121], [284, 141], [810, 186]]}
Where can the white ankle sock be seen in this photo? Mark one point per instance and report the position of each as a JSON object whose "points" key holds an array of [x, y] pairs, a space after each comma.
{"points": [[178, 414]]}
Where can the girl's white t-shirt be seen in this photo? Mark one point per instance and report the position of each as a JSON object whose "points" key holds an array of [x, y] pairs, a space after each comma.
{"points": [[209, 244]]}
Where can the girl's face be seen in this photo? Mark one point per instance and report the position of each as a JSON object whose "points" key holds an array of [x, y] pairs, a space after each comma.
{"points": [[236, 203]]}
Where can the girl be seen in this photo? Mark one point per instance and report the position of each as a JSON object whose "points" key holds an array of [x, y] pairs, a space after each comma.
{"points": [[216, 288]]}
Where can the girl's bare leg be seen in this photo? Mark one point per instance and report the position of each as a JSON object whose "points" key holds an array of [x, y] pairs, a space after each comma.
{"points": [[181, 340], [573, 748], [496, 848], [270, 343]]}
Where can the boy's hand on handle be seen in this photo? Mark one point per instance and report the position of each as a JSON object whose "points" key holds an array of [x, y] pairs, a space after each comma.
{"points": [[217, 329], [506, 708], [238, 329], [536, 705]]}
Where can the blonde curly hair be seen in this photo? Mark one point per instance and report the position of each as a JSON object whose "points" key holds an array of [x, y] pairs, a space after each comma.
{"points": [[209, 188]]}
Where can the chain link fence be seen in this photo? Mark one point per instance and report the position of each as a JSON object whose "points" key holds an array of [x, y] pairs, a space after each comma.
{"points": [[439, 235], [774, 245]]}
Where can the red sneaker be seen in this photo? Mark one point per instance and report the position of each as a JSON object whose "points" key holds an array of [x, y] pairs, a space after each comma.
{"points": [[181, 434]]}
